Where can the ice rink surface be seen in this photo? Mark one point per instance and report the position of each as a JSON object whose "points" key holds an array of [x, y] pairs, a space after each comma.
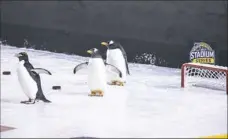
{"points": [[150, 105]]}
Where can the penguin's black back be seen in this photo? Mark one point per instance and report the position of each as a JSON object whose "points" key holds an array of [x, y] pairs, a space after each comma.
{"points": [[29, 67], [36, 78]]}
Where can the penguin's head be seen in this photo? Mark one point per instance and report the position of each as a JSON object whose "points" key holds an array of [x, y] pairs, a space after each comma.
{"points": [[110, 44], [22, 56], [94, 52]]}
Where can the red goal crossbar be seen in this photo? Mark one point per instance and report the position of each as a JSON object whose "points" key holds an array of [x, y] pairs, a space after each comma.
{"points": [[203, 66]]}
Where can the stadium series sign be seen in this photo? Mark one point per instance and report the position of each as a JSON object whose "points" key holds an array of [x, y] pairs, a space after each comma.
{"points": [[202, 53]]}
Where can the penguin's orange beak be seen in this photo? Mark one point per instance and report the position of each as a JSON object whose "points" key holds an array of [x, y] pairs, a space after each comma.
{"points": [[89, 51], [104, 43]]}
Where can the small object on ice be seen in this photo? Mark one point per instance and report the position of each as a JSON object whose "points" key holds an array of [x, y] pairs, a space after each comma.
{"points": [[56, 87], [6, 72]]}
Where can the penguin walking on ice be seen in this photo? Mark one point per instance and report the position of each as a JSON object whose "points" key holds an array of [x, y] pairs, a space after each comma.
{"points": [[29, 79], [117, 56], [96, 72]]}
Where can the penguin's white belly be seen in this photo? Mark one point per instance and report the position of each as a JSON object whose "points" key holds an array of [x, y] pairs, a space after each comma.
{"points": [[116, 58], [28, 85], [97, 75]]}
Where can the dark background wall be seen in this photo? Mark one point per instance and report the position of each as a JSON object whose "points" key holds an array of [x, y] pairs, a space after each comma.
{"points": [[167, 29]]}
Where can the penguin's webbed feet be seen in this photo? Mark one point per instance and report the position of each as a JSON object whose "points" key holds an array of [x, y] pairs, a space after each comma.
{"points": [[30, 101], [118, 83], [26, 101], [97, 93]]}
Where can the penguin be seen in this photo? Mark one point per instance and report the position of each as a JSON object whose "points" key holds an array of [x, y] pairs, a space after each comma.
{"points": [[97, 82], [29, 79], [117, 56]]}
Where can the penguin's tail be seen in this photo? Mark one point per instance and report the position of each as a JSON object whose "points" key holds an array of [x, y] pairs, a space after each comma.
{"points": [[40, 96], [46, 100]]}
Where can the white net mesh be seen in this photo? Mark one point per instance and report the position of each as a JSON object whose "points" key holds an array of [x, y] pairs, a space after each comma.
{"points": [[208, 76]]}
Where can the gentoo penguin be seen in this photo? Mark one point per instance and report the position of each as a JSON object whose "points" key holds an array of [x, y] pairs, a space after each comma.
{"points": [[117, 56], [97, 72], [29, 79]]}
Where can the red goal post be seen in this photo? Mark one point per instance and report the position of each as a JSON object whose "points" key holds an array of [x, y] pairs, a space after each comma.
{"points": [[204, 75]]}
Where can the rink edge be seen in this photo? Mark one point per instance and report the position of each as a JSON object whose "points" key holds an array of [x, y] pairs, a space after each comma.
{"points": [[223, 136]]}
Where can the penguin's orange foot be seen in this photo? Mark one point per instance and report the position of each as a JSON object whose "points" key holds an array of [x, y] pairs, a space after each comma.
{"points": [[96, 93], [118, 83]]}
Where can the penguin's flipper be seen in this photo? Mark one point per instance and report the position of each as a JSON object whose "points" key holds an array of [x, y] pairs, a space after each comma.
{"points": [[41, 70], [115, 69], [125, 57], [126, 64], [80, 66], [128, 71]]}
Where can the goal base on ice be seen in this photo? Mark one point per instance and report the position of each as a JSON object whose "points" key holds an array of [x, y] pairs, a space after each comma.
{"points": [[204, 75]]}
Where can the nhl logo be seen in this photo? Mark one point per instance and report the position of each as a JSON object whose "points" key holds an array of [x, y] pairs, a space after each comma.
{"points": [[202, 53]]}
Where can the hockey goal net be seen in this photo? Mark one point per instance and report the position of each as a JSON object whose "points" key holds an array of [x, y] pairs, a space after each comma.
{"points": [[204, 75]]}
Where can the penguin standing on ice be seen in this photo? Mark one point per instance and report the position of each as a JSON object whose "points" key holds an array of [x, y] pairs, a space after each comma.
{"points": [[97, 72], [29, 79], [117, 56]]}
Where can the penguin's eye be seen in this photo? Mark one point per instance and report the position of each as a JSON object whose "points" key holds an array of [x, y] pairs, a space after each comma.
{"points": [[110, 42], [95, 50], [111, 45]]}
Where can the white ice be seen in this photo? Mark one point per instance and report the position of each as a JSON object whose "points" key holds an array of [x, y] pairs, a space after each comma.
{"points": [[152, 104]]}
